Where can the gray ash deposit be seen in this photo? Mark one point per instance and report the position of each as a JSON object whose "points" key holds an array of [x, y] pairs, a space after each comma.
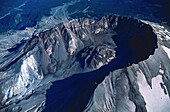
{"points": [[92, 65]]}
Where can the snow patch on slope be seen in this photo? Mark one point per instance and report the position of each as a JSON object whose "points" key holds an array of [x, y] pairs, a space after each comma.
{"points": [[167, 50], [156, 99]]}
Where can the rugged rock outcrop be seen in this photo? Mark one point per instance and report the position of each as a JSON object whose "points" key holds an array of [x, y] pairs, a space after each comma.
{"points": [[86, 51]]}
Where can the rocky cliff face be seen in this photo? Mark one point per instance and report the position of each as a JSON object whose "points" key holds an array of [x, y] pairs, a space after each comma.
{"points": [[107, 61]]}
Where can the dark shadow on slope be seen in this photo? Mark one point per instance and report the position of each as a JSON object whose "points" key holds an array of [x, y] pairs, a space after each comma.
{"points": [[25, 45], [135, 43]]}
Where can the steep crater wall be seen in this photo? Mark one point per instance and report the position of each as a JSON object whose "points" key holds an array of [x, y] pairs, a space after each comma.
{"points": [[129, 41]]}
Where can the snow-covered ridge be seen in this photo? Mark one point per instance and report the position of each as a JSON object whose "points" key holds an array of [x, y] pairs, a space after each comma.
{"points": [[55, 56]]}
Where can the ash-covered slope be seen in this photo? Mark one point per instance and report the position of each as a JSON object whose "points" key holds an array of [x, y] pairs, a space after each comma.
{"points": [[128, 35], [86, 51]]}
